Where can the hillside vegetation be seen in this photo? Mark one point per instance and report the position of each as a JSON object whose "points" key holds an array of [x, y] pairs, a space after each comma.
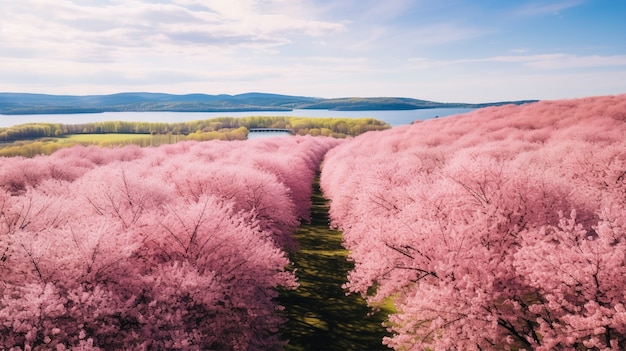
{"points": [[18, 103]]}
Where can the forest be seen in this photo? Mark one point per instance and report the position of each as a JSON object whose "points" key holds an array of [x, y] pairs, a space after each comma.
{"points": [[500, 229]]}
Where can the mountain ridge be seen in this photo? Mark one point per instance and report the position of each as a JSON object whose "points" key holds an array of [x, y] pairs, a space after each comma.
{"points": [[32, 103]]}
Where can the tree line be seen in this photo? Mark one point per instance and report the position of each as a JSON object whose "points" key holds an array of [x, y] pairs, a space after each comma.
{"points": [[336, 127], [44, 138]]}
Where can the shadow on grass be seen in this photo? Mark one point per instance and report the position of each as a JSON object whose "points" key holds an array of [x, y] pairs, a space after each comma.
{"points": [[321, 316]]}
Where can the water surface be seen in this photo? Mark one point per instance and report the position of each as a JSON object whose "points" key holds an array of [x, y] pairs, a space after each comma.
{"points": [[393, 117]]}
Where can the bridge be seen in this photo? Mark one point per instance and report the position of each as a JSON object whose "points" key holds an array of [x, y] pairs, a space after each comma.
{"points": [[265, 130], [268, 132]]}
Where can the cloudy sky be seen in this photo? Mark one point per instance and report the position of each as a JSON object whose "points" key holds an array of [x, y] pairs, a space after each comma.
{"points": [[443, 50]]}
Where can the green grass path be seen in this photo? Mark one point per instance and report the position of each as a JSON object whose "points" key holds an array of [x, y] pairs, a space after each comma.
{"points": [[321, 316]]}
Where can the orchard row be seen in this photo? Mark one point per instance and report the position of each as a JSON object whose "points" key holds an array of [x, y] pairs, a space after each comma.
{"points": [[504, 228], [176, 247]]}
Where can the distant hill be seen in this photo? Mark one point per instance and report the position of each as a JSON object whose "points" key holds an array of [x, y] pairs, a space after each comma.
{"points": [[23, 103]]}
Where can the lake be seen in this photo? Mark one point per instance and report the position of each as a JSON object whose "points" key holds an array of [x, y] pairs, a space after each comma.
{"points": [[393, 117]]}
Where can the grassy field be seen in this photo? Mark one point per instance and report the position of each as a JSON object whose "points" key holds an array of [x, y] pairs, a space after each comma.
{"points": [[104, 138], [45, 146], [321, 316]]}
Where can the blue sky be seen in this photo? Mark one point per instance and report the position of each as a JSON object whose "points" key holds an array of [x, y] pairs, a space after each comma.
{"points": [[443, 50]]}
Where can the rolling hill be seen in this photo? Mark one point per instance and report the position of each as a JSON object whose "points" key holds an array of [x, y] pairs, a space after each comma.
{"points": [[25, 103]]}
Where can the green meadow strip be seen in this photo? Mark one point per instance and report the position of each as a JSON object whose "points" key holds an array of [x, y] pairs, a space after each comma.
{"points": [[321, 315]]}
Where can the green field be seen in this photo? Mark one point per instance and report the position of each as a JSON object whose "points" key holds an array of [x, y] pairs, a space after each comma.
{"points": [[46, 146], [321, 315], [101, 139]]}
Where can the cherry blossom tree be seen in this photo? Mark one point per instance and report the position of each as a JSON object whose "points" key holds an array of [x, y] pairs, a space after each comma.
{"points": [[499, 229], [175, 247]]}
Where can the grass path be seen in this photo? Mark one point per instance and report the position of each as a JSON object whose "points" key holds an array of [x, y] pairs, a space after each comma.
{"points": [[321, 316]]}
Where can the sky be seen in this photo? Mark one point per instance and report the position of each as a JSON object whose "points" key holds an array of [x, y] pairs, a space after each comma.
{"points": [[439, 50]]}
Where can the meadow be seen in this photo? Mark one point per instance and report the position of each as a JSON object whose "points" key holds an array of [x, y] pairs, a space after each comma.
{"points": [[320, 314]]}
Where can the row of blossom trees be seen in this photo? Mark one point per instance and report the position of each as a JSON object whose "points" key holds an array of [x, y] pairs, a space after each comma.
{"points": [[501, 229], [175, 247]]}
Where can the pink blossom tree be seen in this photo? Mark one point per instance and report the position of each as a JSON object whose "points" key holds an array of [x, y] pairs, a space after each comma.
{"points": [[495, 229], [176, 247]]}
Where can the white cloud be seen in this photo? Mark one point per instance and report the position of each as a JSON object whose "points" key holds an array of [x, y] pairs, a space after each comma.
{"points": [[547, 7], [309, 47], [563, 61], [55, 27], [540, 62], [518, 51], [444, 32], [384, 10]]}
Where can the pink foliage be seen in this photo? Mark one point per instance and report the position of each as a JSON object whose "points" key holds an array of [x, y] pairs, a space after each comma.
{"points": [[176, 247], [500, 229]]}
